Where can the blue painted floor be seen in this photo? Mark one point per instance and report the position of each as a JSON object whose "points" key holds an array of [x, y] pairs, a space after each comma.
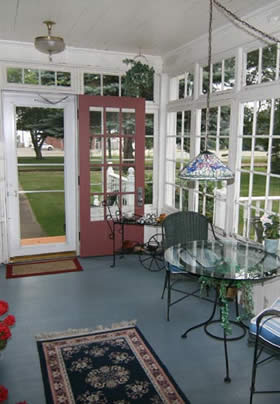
{"points": [[101, 295]]}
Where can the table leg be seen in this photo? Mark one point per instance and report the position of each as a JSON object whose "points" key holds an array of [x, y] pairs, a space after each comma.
{"points": [[227, 379], [204, 322]]}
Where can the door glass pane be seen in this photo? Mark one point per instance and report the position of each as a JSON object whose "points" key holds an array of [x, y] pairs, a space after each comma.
{"points": [[112, 121], [128, 150], [42, 217], [113, 179], [40, 164], [96, 208], [96, 152], [128, 204], [113, 150], [128, 122], [96, 180], [96, 121]]}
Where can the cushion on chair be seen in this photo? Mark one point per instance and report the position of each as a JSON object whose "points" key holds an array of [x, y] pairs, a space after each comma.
{"points": [[269, 326]]}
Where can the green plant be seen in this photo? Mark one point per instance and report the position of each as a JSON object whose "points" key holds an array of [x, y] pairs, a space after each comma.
{"points": [[267, 226], [222, 288], [138, 80]]}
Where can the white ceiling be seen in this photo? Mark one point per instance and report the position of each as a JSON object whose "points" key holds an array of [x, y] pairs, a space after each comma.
{"points": [[153, 27]]}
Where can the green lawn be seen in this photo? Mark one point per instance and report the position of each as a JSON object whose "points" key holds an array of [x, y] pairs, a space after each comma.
{"points": [[49, 207]]}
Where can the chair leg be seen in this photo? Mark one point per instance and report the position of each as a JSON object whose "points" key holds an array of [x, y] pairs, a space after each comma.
{"points": [[168, 294], [165, 285], [254, 370]]}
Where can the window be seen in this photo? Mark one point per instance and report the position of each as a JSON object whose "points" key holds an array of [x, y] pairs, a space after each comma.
{"points": [[262, 65], [149, 158], [38, 77], [222, 76], [177, 155], [259, 167], [185, 85]]}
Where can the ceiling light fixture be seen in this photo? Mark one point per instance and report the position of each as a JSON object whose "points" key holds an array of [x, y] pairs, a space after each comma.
{"points": [[49, 44]]}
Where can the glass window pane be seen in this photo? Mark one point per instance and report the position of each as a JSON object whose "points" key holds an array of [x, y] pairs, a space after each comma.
{"points": [[110, 85], [14, 75], [276, 123], [113, 150], [269, 55], [31, 76], [129, 122], [248, 119], [190, 84], [225, 120], [43, 207], [113, 179], [148, 198], [275, 158], [217, 77], [229, 75], [205, 80], [259, 182], [112, 122], [252, 67], [263, 117], [96, 208], [64, 79], [96, 150], [96, 121], [96, 180], [128, 150], [149, 152], [187, 123], [179, 124], [244, 184], [92, 84], [47, 78], [182, 87], [149, 124]]}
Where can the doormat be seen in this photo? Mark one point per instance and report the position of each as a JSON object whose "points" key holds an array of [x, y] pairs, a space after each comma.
{"points": [[18, 270], [114, 365]]}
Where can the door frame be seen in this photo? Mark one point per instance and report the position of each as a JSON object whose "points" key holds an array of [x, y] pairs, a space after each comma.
{"points": [[69, 103]]}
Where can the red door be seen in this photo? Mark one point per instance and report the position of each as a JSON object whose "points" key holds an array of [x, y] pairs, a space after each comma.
{"points": [[112, 144]]}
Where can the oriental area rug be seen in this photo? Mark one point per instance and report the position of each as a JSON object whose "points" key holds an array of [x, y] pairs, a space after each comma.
{"points": [[106, 366], [44, 267]]}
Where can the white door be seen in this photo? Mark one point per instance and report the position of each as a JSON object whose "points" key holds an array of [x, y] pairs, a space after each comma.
{"points": [[41, 173]]}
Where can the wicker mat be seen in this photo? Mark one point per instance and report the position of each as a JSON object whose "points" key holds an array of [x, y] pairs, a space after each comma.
{"points": [[47, 267]]}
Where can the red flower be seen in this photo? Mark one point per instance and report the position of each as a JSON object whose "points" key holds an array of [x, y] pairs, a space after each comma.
{"points": [[5, 332], [3, 394], [9, 320], [4, 307]]}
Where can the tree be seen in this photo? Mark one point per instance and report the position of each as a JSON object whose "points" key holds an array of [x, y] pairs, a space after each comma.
{"points": [[40, 123]]}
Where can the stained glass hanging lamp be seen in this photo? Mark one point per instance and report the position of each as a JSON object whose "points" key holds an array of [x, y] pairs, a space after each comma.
{"points": [[207, 166]]}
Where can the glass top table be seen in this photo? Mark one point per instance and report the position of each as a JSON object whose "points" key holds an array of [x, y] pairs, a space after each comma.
{"points": [[224, 259]]}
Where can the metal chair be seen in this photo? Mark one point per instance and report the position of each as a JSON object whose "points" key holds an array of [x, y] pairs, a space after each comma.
{"points": [[181, 227], [265, 330]]}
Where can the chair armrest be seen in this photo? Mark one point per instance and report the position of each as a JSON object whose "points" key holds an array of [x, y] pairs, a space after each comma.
{"points": [[268, 312]]}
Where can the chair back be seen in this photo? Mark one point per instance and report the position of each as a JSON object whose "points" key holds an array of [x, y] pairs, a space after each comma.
{"points": [[181, 227]]}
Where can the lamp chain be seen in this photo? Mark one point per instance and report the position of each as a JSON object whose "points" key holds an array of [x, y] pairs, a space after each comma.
{"points": [[259, 33], [207, 118]]}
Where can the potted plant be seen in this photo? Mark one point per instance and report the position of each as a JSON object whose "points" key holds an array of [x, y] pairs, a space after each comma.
{"points": [[227, 291], [268, 230], [138, 80]]}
